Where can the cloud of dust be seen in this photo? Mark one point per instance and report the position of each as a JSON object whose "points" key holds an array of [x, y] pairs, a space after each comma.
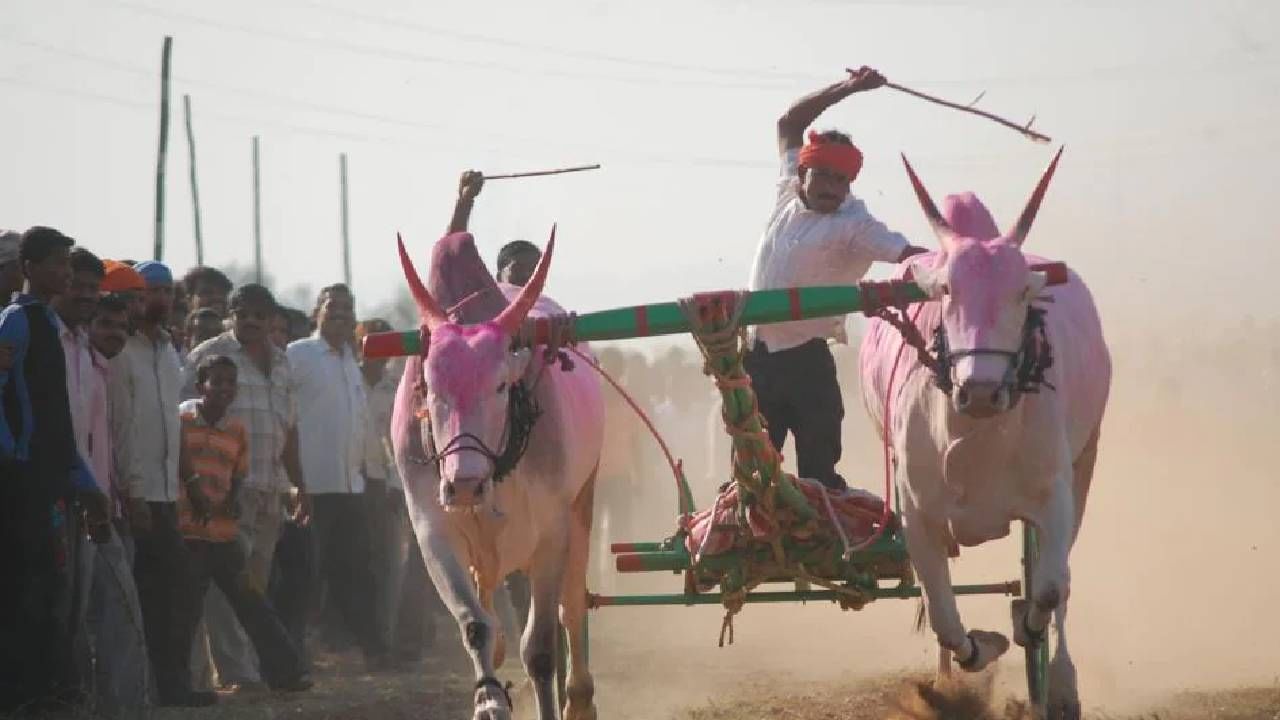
{"points": [[1171, 574]]}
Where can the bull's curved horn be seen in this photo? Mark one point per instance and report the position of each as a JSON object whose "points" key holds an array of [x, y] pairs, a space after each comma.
{"points": [[945, 234], [513, 316], [432, 315], [1019, 232]]}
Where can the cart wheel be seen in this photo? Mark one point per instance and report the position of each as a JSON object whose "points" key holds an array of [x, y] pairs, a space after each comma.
{"points": [[1037, 656]]}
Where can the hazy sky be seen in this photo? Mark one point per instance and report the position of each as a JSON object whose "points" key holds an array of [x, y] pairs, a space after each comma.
{"points": [[1165, 198]]}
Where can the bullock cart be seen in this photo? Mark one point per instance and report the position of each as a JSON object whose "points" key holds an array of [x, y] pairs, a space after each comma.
{"points": [[769, 537]]}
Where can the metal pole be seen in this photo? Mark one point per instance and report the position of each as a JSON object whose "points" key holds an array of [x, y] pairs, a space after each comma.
{"points": [[195, 188], [257, 215], [158, 250], [346, 230], [1010, 588]]}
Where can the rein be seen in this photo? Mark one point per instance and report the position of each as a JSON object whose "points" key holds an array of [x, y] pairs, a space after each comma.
{"points": [[522, 415], [1027, 365]]}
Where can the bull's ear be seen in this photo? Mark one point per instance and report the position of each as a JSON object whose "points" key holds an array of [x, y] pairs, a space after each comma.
{"points": [[931, 279]]}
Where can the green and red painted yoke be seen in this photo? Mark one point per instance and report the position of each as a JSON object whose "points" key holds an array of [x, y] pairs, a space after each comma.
{"points": [[762, 307]]}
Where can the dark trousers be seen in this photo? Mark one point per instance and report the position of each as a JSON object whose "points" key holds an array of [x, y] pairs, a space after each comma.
{"points": [[225, 564], [37, 667], [340, 532], [292, 576], [798, 394], [161, 567]]}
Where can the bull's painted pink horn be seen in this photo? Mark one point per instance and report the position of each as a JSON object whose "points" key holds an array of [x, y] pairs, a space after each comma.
{"points": [[1023, 226], [939, 223], [513, 316], [432, 315]]}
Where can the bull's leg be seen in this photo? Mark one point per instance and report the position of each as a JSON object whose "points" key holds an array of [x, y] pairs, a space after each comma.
{"points": [[1082, 472], [973, 650], [492, 596], [580, 690], [1051, 580], [546, 578], [454, 584], [1064, 696]]}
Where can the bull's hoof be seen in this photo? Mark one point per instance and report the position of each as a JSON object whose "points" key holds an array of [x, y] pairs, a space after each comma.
{"points": [[493, 700], [1023, 635], [574, 711], [985, 648], [1065, 710], [580, 703]]}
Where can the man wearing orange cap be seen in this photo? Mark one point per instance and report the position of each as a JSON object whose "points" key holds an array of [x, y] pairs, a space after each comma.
{"points": [[126, 283], [818, 234]]}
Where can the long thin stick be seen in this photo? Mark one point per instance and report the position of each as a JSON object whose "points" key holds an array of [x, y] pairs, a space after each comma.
{"points": [[195, 188], [346, 234], [257, 216], [536, 173], [1024, 129], [158, 250]]}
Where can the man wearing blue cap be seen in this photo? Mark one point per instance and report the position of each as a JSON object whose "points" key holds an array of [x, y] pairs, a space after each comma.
{"points": [[146, 378]]}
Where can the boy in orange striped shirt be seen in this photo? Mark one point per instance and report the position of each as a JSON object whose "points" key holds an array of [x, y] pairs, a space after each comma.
{"points": [[212, 462]]}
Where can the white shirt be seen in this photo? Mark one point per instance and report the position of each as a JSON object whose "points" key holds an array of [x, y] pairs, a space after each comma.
{"points": [[328, 392], [803, 248], [80, 377], [145, 381], [382, 399]]}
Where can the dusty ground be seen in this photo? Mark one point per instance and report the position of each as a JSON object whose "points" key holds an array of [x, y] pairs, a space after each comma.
{"points": [[437, 690]]}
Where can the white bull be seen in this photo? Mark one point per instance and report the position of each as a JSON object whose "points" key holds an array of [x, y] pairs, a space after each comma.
{"points": [[473, 531], [982, 453]]}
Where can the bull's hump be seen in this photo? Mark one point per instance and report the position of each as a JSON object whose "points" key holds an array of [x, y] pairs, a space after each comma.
{"points": [[544, 307]]}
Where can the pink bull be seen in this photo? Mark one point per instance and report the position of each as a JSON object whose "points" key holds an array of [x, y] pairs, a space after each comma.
{"points": [[995, 432], [450, 424]]}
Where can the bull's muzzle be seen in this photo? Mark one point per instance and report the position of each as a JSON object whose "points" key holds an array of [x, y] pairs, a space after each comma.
{"points": [[463, 492], [981, 398]]}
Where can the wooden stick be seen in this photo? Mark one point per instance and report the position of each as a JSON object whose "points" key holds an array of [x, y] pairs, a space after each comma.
{"points": [[346, 225], [195, 188], [1024, 129], [157, 252], [536, 173], [257, 216]]}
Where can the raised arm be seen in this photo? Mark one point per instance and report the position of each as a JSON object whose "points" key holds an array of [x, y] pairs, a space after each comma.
{"points": [[469, 186], [803, 112]]}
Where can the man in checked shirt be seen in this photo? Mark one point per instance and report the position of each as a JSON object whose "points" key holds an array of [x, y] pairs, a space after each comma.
{"points": [[265, 405]]}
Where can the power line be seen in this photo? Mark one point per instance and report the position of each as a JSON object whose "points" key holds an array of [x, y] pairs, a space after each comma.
{"points": [[331, 43], [405, 24]]}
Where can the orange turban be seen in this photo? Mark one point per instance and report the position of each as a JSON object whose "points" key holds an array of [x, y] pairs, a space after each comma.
{"points": [[835, 156], [121, 278]]}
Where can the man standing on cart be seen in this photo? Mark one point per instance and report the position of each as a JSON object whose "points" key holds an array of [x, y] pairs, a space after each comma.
{"points": [[818, 234]]}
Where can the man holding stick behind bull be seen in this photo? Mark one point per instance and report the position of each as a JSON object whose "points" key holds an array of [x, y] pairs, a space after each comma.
{"points": [[818, 234]]}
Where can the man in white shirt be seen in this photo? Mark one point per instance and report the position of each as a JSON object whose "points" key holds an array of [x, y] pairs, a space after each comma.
{"points": [[332, 419], [145, 381], [818, 234]]}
